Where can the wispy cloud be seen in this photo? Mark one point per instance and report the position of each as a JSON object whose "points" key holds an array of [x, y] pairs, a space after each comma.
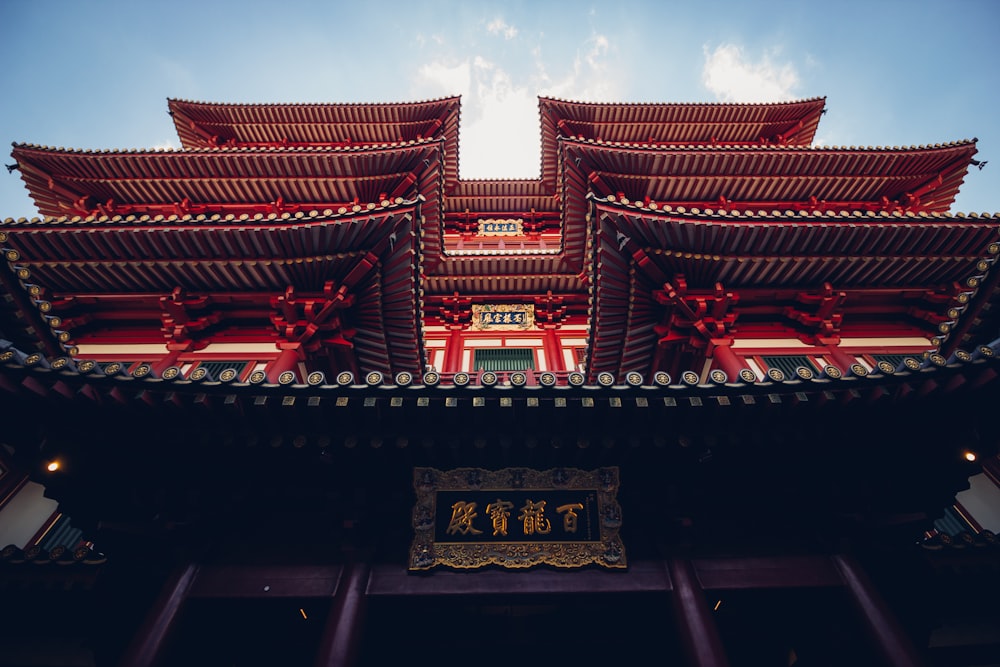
{"points": [[500, 135], [500, 27], [442, 78], [732, 77], [589, 79], [499, 131]]}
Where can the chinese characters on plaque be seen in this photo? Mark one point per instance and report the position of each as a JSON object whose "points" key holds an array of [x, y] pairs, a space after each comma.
{"points": [[499, 317], [497, 227], [469, 517]]}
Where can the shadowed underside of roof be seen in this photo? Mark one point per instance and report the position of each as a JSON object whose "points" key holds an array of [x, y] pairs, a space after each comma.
{"points": [[781, 123], [925, 178], [75, 182], [208, 124]]}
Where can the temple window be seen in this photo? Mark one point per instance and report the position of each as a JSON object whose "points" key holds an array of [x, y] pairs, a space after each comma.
{"points": [[504, 359], [895, 359], [215, 369], [114, 366], [789, 363]]}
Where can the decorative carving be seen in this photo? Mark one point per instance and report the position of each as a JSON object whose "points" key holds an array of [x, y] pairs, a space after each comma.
{"points": [[821, 312], [314, 321], [185, 316], [455, 311], [694, 319], [549, 310]]}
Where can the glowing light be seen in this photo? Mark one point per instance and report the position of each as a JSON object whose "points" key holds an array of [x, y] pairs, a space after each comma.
{"points": [[717, 605], [52, 466], [970, 456], [303, 612]]}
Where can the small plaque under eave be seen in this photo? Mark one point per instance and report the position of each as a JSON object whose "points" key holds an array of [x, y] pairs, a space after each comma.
{"points": [[516, 518]]}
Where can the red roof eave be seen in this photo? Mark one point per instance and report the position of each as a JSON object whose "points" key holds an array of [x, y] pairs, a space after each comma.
{"points": [[920, 178]]}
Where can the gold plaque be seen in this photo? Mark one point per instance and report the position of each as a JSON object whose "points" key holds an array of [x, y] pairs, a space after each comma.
{"points": [[500, 317], [516, 518], [500, 227]]}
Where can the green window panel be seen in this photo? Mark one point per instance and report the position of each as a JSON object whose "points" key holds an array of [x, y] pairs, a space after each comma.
{"points": [[788, 363], [504, 359]]}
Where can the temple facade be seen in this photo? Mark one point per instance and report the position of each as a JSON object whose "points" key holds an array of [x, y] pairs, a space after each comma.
{"points": [[296, 393]]}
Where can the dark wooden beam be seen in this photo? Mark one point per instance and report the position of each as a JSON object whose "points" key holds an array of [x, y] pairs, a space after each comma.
{"points": [[147, 646], [693, 618], [220, 581]]}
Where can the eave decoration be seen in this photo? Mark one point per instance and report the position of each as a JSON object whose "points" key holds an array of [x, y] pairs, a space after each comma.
{"points": [[516, 518]]}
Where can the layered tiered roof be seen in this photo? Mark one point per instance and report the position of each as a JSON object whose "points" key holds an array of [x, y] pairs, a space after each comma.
{"points": [[213, 125], [634, 200], [784, 124]]}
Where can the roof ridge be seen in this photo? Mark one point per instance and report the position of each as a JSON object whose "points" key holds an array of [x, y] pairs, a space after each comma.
{"points": [[250, 218], [737, 212], [542, 98], [229, 149], [757, 146], [447, 98]]}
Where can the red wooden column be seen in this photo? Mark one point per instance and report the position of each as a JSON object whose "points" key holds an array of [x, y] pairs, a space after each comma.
{"points": [[553, 351], [342, 635], [841, 358], [165, 362], [729, 361], [286, 361], [895, 647], [147, 646], [453, 351], [698, 632]]}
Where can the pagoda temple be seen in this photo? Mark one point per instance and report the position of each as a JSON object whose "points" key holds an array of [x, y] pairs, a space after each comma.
{"points": [[701, 393]]}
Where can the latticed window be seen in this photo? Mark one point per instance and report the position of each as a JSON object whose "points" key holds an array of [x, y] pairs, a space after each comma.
{"points": [[61, 534], [894, 359], [504, 359], [215, 368], [788, 363]]}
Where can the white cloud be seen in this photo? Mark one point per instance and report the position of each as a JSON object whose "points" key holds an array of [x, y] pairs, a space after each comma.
{"points": [[500, 27], [732, 77], [499, 135], [588, 80], [439, 79]]}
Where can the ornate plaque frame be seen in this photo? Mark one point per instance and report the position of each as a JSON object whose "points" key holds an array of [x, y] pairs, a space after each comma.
{"points": [[500, 227], [502, 317], [456, 522]]}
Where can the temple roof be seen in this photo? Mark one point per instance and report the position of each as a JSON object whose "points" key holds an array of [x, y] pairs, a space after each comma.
{"points": [[119, 271], [924, 271], [140, 253], [501, 196], [849, 250], [917, 377], [920, 178], [67, 181], [783, 123], [212, 124]]}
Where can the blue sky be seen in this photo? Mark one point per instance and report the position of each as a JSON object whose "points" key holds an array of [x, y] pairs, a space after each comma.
{"points": [[96, 74]]}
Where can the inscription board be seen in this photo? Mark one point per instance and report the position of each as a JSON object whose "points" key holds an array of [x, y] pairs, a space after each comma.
{"points": [[516, 518], [498, 227], [502, 317]]}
